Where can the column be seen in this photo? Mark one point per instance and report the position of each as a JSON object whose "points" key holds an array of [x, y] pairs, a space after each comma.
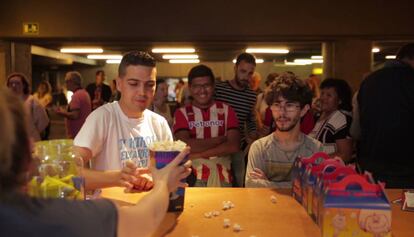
{"points": [[348, 59]]}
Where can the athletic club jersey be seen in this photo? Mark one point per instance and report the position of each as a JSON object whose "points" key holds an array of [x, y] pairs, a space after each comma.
{"points": [[207, 123]]}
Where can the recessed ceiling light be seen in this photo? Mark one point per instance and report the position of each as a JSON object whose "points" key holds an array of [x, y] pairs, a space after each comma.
{"points": [[173, 50], [375, 50], [267, 50], [113, 61], [184, 60], [391, 57], [258, 60], [81, 50], [180, 56], [316, 57], [105, 56]]}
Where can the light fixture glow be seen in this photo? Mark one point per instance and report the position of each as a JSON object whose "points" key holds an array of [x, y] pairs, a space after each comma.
{"points": [[105, 56], [180, 56], [184, 60], [113, 61], [81, 50], [267, 50], [390, 57], [296, 63], [308, 61], [258, 60], [375, 50], [173, 50], [316, 57]]}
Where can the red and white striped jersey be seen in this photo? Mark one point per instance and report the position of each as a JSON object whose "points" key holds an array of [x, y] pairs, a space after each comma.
{"points": [[207, 123]]}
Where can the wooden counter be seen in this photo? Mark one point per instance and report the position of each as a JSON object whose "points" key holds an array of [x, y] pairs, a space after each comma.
{"points": [[253, 211]]}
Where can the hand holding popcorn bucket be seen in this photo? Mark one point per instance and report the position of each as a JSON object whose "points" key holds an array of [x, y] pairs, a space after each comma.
{"points": [[161, 154]]}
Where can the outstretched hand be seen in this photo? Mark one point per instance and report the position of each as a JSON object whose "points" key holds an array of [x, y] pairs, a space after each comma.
{"points": [[135, 179], [172, 174]]}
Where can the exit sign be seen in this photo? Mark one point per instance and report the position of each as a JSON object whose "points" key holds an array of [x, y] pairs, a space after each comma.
{"points": [[31, 28]]}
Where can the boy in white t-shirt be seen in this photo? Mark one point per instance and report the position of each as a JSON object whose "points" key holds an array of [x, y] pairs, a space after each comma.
{"points": [[117, 133]]}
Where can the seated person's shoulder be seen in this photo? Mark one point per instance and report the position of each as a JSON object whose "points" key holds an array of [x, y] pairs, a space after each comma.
{"points": [[311, 143]]}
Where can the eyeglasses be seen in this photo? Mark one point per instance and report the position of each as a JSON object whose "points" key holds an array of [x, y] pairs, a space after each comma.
{"points": [[202, 86], [288, 107]]}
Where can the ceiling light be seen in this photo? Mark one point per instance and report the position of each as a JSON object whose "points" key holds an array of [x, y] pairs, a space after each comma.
{"points": [[113, 61], [267, 50], [391, 57], [375, 50], [308, 61], [296, 63], [258, 60], [81, 50], [173, 50], [316, 57], [105, 56], [180, 56], [184, 61]]}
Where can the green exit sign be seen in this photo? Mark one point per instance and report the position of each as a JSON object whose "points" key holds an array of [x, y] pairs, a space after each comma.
{"points": [[31, 28]]}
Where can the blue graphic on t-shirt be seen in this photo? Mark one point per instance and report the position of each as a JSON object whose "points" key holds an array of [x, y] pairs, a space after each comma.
{"points": [[135, 149]]}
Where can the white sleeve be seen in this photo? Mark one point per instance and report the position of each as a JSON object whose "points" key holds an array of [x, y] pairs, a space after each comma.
{"points": [[93, 133], [166, 134]]}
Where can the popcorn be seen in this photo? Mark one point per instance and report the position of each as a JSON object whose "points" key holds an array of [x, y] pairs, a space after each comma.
{"points": [[216, 213], [226, 223], [273, 199], [236, 227], [227, 205], [208, 214], [167, 146]]}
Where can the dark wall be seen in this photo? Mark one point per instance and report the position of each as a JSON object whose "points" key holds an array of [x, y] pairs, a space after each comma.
{"points": [[156, 20]]}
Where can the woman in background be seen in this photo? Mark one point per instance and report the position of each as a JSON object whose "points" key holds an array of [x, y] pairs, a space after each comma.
{"points": [[38, 119], [44, 96], [159, 104], [333, 123]]}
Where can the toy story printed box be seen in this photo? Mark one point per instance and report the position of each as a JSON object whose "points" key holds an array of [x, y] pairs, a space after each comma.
{"points": [[355, 207]]}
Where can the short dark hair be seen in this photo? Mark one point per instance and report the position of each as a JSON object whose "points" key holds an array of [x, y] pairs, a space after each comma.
{"points": [[248, 58], [159, 81], [99, 72], [135, 58], [343, 90], [200, 71], [289, 87], [25, 81], [406, 51]]}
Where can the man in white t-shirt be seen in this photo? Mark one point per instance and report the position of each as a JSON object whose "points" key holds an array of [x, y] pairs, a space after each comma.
{"points": [[117, 133]]}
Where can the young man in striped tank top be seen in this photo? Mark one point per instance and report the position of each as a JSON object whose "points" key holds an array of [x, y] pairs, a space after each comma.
{"points": [[242, 98], [210, 128]]}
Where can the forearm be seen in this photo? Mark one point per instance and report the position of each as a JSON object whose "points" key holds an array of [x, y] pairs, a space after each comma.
{"points": [[223, 149], [200, 145], [149, 211], [95, 179]]}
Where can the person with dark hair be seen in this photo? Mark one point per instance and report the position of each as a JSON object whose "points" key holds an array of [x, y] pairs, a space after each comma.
{"points": [[121, 131], [386, 110], [21, 215], [160, 102], [271, 157], [238, 94], [333, 123], [38, 119], [99, 92], [79, 106], [210, 128]]}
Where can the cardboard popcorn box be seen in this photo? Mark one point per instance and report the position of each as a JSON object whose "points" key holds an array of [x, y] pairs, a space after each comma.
{"points": [[309, 180], [355, 207], [324, 178], [298, 169]]}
